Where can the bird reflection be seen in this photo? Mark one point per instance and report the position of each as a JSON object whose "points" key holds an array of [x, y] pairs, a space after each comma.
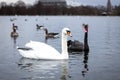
{"points": [[45, 40], [64, 71], [23, 63], [46, 68], [85, 61], [14, 41]]}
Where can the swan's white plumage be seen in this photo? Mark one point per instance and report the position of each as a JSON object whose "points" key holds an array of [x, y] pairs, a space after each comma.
{"points": [[44, 51]]}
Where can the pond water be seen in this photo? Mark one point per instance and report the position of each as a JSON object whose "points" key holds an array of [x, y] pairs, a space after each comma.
{"points": [[101, 63]]}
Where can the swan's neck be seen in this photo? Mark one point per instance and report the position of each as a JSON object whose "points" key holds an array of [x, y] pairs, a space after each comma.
{"points": [[64, 44], [85, 38], [86, 47]]}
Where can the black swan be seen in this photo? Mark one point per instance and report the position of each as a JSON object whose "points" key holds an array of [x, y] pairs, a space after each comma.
{"points": [[39, 26], [76, 46], [14, 33], [51, 34]]}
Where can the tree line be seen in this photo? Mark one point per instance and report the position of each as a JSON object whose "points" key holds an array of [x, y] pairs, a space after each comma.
{"points": [[20, 8]]}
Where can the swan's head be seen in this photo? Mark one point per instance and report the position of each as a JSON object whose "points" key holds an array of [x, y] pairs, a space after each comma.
{"points": [[66, 31], [85, 27]]}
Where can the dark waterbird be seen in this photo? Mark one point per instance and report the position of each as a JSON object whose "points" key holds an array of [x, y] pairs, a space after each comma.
{"points": [[76, 46], [14, 26], [14, 32], [51, 34], [39, 26]]}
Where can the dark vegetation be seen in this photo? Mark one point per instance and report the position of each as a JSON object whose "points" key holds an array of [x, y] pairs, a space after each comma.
{"points": [[20, 8]]}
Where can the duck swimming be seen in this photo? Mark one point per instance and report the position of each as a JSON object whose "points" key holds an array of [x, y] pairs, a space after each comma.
{"points": [[39, 26], [14, 33], [40, 50], [51, 34], [76, 46]]}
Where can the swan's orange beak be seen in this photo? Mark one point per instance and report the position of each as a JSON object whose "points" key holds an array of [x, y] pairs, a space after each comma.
{"points": [[69, 33]]}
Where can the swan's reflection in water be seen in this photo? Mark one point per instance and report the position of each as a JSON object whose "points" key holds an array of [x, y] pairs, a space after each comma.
{"points": [[85, 61], [64, 71], [43, 69]]}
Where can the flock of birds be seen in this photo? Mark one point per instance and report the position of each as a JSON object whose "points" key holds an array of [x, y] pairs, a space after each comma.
{"points": [[41, 27], [40, 50]]}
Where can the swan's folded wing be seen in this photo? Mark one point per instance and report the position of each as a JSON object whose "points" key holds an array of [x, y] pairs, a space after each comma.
{"points": [[36, 45], [43, 51], [77, 43], [41, 47]]}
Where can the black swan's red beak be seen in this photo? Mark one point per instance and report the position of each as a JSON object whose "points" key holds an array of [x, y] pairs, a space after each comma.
{"points": [[86, 28]]}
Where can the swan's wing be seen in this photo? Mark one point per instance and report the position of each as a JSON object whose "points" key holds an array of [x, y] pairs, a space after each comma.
{"points": [[40, 51], [41, 47], [37, 45], [77, 43]]}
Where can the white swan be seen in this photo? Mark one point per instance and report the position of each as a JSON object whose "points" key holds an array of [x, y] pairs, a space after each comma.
{"points": [[39, 50]]}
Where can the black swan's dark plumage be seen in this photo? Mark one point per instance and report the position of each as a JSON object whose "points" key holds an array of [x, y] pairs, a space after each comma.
{"points": [[76, 46]]}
